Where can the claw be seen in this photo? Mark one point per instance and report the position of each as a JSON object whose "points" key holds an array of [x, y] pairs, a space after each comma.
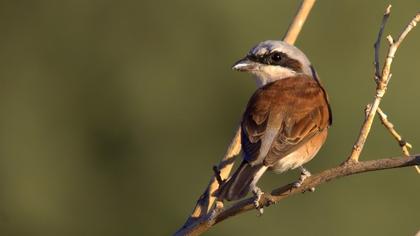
{"points": [[297, 184], [216, 210], [304, 174], [258, 193]]}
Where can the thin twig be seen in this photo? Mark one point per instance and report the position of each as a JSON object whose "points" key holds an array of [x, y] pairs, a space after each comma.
{"points": [[296, 26], [405, 146], [207, 199], [381, 87], [377, 44]]}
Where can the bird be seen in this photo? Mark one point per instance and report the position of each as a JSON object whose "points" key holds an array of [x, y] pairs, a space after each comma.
{"points": [[285, 122]]}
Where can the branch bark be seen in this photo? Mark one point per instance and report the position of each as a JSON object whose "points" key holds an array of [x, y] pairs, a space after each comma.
{"points": [[347, 169], [281, 193], [405, 146], [296, 26]]}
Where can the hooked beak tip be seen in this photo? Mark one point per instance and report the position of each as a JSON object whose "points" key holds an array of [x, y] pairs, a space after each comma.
{"points": [[244, 65], [240, 66]]}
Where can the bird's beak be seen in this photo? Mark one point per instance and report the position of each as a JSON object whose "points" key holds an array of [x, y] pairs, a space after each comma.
{"points": [[245, 65]]}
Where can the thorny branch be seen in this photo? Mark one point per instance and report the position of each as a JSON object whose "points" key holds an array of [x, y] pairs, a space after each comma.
{"points": [[202, 218]]}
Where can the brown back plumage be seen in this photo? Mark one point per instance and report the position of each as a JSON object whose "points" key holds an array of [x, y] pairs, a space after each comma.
{"points": [[297, 107], [279, 119]]}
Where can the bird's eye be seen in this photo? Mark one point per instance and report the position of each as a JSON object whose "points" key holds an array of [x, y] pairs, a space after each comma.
{"points": [[276, 57]]}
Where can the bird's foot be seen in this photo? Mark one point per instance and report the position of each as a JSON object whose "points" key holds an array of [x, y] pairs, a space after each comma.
{"points": [[258, 193], [304, 174], [216, 211]]}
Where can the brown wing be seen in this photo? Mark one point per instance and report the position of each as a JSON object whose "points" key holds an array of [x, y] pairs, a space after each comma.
{"points": [[282, 116]]}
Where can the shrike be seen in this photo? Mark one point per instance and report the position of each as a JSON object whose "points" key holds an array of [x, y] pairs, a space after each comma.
{"points": [[286, 120]]}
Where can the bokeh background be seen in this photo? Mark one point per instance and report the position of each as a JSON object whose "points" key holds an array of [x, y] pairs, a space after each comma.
{"points": [[112, 114]]}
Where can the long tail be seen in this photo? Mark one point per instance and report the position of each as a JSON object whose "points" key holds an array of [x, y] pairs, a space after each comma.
{"points": [[241, 181]]}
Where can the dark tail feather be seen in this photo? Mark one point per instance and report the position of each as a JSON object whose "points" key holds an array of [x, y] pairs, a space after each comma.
{"points": [[239, 184]]}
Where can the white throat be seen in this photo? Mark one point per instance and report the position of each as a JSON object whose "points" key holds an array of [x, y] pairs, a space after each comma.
{"points": [[268, 74]]}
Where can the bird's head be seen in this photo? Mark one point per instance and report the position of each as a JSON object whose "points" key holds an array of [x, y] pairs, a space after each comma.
{"points": [[274, 60]]}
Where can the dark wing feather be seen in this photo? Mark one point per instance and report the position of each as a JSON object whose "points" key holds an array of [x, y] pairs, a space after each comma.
{"points": [[254, 124], [297, 106]]}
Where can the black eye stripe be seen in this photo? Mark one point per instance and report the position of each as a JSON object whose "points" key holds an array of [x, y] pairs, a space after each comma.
{"points": [[257, 58], [280, 59], [267, 58]]}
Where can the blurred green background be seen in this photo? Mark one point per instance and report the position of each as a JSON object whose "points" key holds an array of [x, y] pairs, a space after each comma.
{"points": [[113, 113]]}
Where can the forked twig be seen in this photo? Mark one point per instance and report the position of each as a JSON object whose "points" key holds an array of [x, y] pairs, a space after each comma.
{"points": [[382, 83], [384, 118]]}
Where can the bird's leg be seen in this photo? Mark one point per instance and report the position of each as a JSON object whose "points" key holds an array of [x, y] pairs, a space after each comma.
{"points": [[258, 193], [219, 179], [304, 174]]}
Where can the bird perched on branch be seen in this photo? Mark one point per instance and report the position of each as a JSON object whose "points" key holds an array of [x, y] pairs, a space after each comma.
{"points": [[286, 120]]}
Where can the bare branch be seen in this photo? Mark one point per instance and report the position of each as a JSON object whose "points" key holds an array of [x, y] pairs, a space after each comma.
{"points": [[381, 87], [405, 146], [409, 27], [377, 44], [350, 168], [296, 26]]}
